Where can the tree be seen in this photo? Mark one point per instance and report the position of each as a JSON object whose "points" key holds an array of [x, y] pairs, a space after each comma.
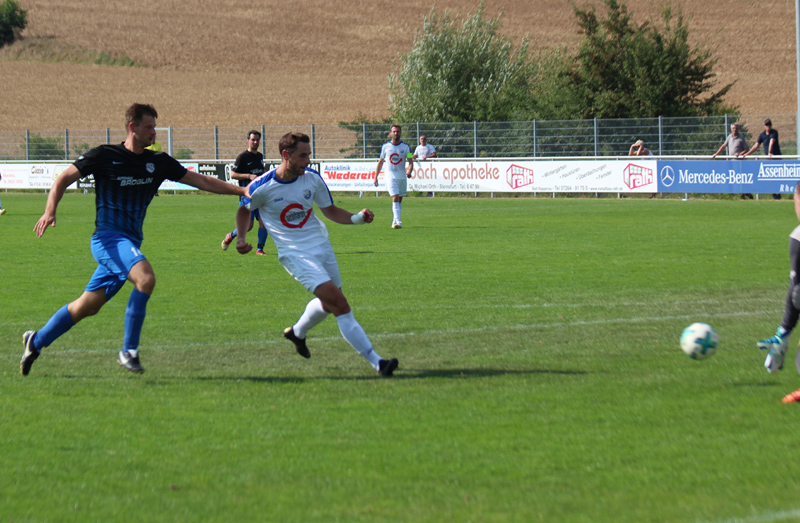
{"points": [[461, 73], [41, 147], [626, 70], [12, 21]]}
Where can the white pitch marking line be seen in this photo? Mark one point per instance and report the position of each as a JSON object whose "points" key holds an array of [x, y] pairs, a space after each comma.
{"points": [[767, 517]]}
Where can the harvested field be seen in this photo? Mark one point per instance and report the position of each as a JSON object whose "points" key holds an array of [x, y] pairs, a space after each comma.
{"points": [[239, 64]]}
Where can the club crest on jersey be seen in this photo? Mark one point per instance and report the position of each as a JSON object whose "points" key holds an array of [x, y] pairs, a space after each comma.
{"points": [[307, 194], [150, 166]]}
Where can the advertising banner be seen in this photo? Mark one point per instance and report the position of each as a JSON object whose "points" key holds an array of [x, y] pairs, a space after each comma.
{"points": [[633, 175], [503, 176], [14, 176], [30, 176], [728, 176]]}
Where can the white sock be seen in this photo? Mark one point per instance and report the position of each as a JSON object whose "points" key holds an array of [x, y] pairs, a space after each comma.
{"points": [[354, 334], [395, 211], [312, 316]]}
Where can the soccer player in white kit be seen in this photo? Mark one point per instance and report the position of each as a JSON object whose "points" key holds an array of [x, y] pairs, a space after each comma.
{"points": [[285, 198], [397, 153]]}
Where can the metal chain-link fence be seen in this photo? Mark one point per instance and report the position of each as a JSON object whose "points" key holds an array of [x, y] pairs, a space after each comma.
{"points": [[537, 138]]}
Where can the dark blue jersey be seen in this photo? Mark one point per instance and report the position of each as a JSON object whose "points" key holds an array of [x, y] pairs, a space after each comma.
{"points": [[248, 163], [125, 184], [766, 138]]}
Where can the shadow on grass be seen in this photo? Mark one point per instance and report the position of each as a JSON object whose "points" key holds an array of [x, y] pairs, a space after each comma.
{"points": [[402, 374]]}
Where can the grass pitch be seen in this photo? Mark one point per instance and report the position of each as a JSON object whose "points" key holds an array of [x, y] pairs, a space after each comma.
{"points": [[540, 375]]}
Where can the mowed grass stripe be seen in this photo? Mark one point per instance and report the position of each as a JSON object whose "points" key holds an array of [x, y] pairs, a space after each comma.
{"points": [[540, 375]]}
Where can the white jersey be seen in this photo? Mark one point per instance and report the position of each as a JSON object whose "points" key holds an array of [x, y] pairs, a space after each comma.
{"points": [[395, 158], [287, 209], [424, 151]]}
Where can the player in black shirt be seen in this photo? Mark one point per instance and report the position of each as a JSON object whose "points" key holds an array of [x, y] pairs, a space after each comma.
{"points": [[126, 178], [249, 166]]}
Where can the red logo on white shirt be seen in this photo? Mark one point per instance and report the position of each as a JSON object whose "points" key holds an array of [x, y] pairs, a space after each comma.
{"points": [[295, 212]]}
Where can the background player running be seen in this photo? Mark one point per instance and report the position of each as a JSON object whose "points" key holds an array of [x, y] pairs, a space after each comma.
{"points": [[286, 196], [249, 166], [126, 178]]}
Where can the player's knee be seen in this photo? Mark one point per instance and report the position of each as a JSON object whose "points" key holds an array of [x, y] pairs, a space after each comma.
{"points": [[336, 304], [147, 284], [796, 296], [84, 307]]}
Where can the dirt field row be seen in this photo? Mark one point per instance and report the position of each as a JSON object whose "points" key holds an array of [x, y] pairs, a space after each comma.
{"points": [[233, 63]]}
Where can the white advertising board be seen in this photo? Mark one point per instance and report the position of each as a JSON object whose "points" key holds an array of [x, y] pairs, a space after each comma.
{"points": [[503, 176]]}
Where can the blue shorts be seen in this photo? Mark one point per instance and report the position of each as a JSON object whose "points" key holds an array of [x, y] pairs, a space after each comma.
{"points": [[116, 256], [244, 200]]}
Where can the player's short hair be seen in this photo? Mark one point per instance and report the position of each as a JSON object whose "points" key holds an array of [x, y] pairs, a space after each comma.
{"points": [[136, 112], [254, 132], [396, 125], [289, 141]]}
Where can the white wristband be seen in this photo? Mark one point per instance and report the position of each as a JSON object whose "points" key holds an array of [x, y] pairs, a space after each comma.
{"points": [[357, 219]]}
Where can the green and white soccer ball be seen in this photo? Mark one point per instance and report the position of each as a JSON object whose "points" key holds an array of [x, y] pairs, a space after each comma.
{"points": [[699, 341]]}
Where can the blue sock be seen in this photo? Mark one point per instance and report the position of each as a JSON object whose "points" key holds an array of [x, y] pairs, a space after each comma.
{"points": [[262, 237], [134, 319], [58, 324], [233, 234]]}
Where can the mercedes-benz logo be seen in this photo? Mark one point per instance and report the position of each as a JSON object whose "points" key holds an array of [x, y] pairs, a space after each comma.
{"points": [[667, 176]]}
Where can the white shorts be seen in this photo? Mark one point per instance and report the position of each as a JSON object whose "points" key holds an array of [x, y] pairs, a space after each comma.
{"points": [[312, 267], [397, 186]]}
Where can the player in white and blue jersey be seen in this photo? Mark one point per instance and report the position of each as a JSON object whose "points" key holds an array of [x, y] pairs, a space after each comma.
{"points": [[126, 177], [396, 153], [285, 197]]}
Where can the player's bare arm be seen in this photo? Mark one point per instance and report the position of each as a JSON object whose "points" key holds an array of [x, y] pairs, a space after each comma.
{"points": [[343, 216], [797, 201], [64, 180], [211, 184], [243, 176], [378, 170]]}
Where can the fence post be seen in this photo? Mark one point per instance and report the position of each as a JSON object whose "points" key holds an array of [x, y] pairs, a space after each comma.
{"points": [[169, 132], [475, 138], [216, 142], [364, 138], [596, 148], [66, 144], [660, 135], [725, 130], [27, 145], [313, 141], [534, 138], [418, 133], [108, 136]]}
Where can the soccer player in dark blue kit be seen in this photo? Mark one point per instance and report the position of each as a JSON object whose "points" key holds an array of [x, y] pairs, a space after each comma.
{"points": [[248, 166], [126, 176]]}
